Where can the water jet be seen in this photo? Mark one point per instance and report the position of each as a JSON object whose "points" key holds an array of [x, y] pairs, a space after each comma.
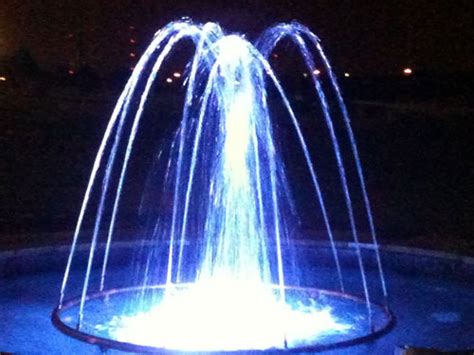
{"points": [[215, 275]]}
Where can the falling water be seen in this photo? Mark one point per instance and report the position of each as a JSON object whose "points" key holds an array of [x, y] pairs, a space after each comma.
{"points": [[229, 187]]}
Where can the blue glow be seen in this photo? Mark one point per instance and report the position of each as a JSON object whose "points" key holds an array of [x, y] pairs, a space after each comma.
{"points": [[221, 314], [229, 191]]}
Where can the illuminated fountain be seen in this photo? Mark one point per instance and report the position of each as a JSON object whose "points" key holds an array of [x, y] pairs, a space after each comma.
{"points": [[214, 273]]}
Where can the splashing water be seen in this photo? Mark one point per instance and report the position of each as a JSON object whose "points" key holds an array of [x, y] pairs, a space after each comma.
{"points": [[228, 186], [222, 314]]}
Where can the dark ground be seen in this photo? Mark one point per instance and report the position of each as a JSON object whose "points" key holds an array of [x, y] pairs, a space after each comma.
{"points": [[416, 152]]}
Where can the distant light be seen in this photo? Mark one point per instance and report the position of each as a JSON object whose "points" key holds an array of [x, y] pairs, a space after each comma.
{"points": [[407, 71], [132, 41], [131, 68], [169, 80], [275, 55], [132, 55], [316, 71], [177, 74], [3, 78], [347, 75], [131, 27], [305, 75], [71, 72]]}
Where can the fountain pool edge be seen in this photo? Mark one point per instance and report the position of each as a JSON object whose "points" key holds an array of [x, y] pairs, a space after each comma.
{"points": [[403, 259], [107, 343]]}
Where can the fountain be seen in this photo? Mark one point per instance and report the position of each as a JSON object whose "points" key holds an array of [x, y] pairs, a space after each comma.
{"points": [[214, 270]]}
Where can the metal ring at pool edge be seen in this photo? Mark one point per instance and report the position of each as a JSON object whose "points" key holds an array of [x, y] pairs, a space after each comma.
{"points": [[106, 343]]}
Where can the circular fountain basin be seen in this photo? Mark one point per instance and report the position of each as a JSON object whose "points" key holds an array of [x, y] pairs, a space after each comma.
{"points": [[430, 295], [312, 319]]}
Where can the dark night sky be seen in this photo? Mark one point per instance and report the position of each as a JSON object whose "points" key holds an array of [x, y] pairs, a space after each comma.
{"points": [[372, 36]]}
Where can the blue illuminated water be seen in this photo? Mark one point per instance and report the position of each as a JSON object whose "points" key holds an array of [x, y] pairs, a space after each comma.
{"points": [[227, 233], [433, 308]]}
